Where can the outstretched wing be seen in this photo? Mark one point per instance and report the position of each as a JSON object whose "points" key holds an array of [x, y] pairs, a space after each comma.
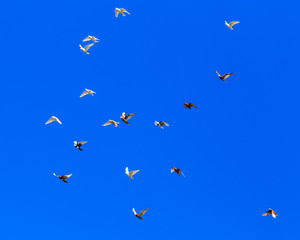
{"points": [[266, 213], [227, 75], [193, 105], [107, 123], [141, 213], [67, 176], [164, 123], [117, 11], [123, 10], [134, 211], [87, 47], [233, 23], [81, 143], [126, 170], [129, 116], [87, 39], [172, 169], [57, 120], [133, 172], [84, 93], [50, 120]]}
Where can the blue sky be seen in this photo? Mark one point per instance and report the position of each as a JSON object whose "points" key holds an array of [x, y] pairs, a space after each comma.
{"points": [[239, 150]]}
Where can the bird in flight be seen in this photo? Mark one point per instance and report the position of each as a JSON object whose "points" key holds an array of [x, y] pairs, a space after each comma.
{"points": [[79, 144], [130, 174], [224, 76], [121, 11], [189, 105], [52, 119], [140, 214], [86, 48], [64, 177], [160, 124], [270, 211], [125, 118], [88, 38], [86, 92], [229, 25], [111, 122], [177, 170]]}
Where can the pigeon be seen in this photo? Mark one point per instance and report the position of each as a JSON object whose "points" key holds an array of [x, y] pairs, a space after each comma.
{"points": [[229, 25], [86, 92], [140, 214], [52, 119], [177, 170], [86, 48], [189, 105], [130, 174], [160, 124], [111, 122], [126, 118], [88, 38], [64, 177], [270, 211], [224, 76], [79, 144], [121, 11]]}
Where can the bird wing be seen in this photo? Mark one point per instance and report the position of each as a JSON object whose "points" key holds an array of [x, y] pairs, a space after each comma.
{"points": [[134, 211], [141, 213], [164, 123], [81, 143], [87, 47], [126, 170], [266, 213], [156, 123], [67, 176], [115, 123], [274, 214], [57, 120], [84, 93], [54, 174], [87, 39], [129, 116], [133, 172], [117, 11], [227, 75], [107, 123], [123, 10], [193, 105], [233, 23], [50, 120]]}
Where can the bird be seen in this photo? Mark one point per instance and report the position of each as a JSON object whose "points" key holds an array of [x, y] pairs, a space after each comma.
{"points": [[111, 122], [121, 11], [140, 214], [270, 211], [189, 105], [131, 173], [88, 38], [125, 118], [64, 177], [160, 124], [229, 25], [79, 144], [52, 119], [177, 170], [224, 76], [86, 48], [86, 92]]}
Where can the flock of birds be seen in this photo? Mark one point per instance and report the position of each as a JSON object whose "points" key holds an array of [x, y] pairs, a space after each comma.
{"points": [[125, 117]]}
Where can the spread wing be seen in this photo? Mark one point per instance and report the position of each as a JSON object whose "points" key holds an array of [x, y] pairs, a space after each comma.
{"points": [[117, 11], [274, 214], [57, 120], [84, 93], [107, 123], [129, 116], [233, 23], [126, 170], [81, 143], [133, 172], [193, 105], [67, 176], [164, 123], [134, 211], [115, 123], [227, 75], [172, 169], [267, 213], [87, 39], [141, 213], [87, 47], [123, 10], [50, 120]]}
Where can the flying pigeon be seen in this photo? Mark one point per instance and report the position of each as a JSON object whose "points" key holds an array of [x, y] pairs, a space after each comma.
{"points": [[121, 11], [189, 105], [79, 144], [52, 119], [224, 76], [86, 48], [140, 214], [270, 211], [130, 174], [160, 124], [229, 25], [86, 92], [64, 177], [177, 170], [88, 38], [125, 118], [111, 122]]}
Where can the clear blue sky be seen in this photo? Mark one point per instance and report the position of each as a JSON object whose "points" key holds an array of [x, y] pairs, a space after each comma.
{"points": [[239, 150]]}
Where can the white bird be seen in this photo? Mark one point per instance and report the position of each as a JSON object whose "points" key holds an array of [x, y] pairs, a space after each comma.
{"points": [[86, 48], [86, 92], [111, 122], [121, 11], [140, 214], [130, 174], [229, 25], [79, 144], [52, 119], [88, 38]]}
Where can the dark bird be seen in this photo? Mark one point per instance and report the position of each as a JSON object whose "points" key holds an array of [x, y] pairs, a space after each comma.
{"points": [[189, 105], [78, 145], [64, 177], [177, 170], [126, 118], [160, 124], [224, 76], [270, 211], [140, 214]]}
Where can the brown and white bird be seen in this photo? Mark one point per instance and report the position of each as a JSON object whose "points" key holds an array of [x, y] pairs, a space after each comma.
{"points": [[79, 144], [224, 76], [89, 38], [64, 177], [121, 11], [229, 25], [86, 48], [86, 92], [270, 211], [189, 105], [125, 118], [140, 214], [177, 170], [131, 173], [111, 122], [52, 119], [160, 124]]}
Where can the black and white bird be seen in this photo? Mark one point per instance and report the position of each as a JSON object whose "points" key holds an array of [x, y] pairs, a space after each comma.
{"points": [[225, 76], [79, 144], [63, 178], [140, 214], [125, 118], [160, 124]]}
